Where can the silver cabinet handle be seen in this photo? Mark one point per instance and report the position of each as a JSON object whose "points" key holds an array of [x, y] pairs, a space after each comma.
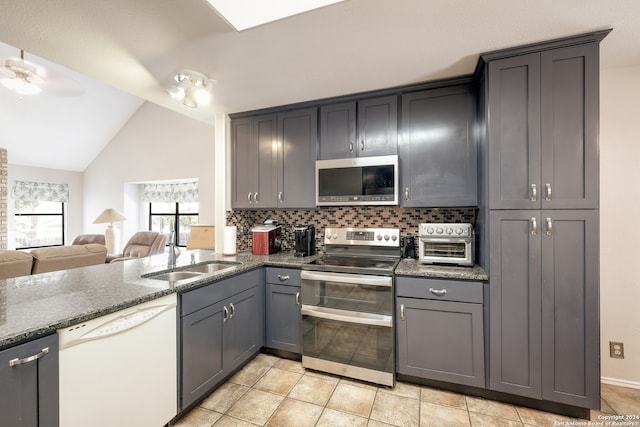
{"points": [[534, 193], [249, 198], [351, 146], [401, 311], [283, 277], [232, 312], [362, 145], [534, 226], [280, 197], [225, 314], [297, 299], [547, 192], [16, 362], [549, 227], [438, 292], [406, 193], [255, 197]]}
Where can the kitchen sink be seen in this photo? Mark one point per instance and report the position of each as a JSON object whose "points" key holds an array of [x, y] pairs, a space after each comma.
{"points": [[174, 276], [210, 267]]}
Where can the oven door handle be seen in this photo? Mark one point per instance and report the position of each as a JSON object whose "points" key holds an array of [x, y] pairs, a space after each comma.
{"points": [[356, 279], [347, 316]]}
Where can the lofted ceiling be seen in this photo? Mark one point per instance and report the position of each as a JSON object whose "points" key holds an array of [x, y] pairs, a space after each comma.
{"points": [[124, 53]]}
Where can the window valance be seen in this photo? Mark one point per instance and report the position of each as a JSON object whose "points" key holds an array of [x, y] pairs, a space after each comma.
{"points": [[180, 192], [40, 191]]}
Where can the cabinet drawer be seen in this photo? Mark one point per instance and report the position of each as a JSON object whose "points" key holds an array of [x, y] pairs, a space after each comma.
{"points": [[216, 291], [283, 276], [445, 290]]}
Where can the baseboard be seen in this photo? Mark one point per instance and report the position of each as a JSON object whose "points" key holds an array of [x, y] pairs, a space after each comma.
{"points": [[620, 383]]}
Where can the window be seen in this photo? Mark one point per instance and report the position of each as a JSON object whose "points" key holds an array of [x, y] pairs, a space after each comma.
{"points": [[173, 203], [162, 216], [39, 214]]}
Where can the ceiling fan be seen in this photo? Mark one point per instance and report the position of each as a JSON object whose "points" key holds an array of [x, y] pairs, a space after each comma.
{"points": [[28, 78]]}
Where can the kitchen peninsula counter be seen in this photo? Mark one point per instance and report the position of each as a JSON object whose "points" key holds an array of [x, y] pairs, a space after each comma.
{"points": [[36, 305]]}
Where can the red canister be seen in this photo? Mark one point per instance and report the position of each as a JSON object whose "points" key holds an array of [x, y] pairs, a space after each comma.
{"points": [[267, 239]]}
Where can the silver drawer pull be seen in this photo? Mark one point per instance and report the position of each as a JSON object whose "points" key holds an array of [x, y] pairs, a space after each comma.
{"points": [[297, 299], [547, 195], [401, 311], [351, 146], [438, 292], [232, 310], [549, 227], [534, 193], [225, 315], [534, 226], [16, 362], [283, 277]]}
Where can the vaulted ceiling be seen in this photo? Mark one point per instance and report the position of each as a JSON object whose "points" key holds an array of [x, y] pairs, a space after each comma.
{"points": [[124, 53]]}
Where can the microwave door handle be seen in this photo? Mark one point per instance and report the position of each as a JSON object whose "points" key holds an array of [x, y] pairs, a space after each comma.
{"points": [[347, 316]]}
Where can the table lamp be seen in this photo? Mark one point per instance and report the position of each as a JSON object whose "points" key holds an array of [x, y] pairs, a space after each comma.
{"points": [[109, 216]]}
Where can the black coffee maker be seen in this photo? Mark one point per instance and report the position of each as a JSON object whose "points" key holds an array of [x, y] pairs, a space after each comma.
{"points": [[305, 240]]}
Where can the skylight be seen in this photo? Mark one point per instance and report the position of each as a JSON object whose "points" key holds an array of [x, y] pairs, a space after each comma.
{"points": [[243, 14]]}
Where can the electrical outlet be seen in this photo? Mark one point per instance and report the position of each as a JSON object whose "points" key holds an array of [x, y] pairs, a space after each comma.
{"points": [[616, 350]]}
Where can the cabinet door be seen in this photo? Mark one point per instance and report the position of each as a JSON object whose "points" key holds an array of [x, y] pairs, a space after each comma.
{"points": [[378, 126], [202, 351], [438, 150], [242, 329], [337, 131], [254, 161], [244, 162], [570, 323], [569, 120], [284, 321], [29, 389], [297, 152], [441, 340], [514, 133], [515, 303]]}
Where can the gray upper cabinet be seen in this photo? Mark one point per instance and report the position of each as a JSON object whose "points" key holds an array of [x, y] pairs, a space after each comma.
{"points": [[544, 304], [543, 128], [274, 160], [255, 160], [29, 384], [298, 137], [438, 150], [358, 129], [337, 131]]}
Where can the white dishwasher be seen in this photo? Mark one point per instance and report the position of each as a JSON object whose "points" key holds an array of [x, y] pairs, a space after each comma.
{"points": [[120, 369]]}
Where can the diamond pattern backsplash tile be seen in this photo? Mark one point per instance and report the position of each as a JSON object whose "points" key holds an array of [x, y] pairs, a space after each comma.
{"points": [[406, 219]]}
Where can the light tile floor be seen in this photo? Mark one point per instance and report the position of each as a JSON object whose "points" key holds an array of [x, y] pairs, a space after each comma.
{"points": [[276, 392]]}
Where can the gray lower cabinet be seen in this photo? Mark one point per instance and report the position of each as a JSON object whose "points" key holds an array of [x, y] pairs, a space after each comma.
{"points": [[438, 148], [282, 310], [440, 330], [544, 340], [543, 129], [221, 327], [29, 384], [375, 120]]}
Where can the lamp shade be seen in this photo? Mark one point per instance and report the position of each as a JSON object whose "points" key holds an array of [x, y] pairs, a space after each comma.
{"points": [[109, 215]]}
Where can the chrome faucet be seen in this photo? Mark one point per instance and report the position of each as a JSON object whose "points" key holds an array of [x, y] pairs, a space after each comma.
{"points": [[174, 252]]}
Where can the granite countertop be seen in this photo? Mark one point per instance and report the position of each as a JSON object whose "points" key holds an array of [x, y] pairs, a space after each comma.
{"points": [[39, 304], [36, 305], [412, 268]]}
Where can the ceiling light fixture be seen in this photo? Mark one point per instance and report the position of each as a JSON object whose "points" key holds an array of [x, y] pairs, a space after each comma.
{"points": [[243, 14], [192, 88], [22, 77]]}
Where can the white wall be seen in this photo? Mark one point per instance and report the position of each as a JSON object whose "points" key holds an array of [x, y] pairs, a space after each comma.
{"points": [[156, 144], [73, 214], [619, 227]]}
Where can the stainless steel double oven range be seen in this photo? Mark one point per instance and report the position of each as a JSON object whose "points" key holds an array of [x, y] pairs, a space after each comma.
{"points": [[347, 304]]}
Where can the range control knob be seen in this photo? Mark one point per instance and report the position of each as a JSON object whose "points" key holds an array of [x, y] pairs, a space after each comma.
{"points": [[334, 236], [449, 230], [394, 237], [459, 231], [386, 237], [379, 237], [439, 230], [430, 230]]}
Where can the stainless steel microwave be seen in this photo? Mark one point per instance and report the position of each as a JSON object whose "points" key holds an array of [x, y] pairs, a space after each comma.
{"points": [[357, 181]]}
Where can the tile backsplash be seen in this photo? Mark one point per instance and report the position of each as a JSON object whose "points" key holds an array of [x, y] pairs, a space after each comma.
{"points": [[406, 219]]}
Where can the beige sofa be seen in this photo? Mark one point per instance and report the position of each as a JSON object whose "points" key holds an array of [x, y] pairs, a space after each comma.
{"points": [[43, 260]]}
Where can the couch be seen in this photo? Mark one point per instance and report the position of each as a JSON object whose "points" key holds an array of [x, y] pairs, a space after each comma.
{"points": [[42, 260]]}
